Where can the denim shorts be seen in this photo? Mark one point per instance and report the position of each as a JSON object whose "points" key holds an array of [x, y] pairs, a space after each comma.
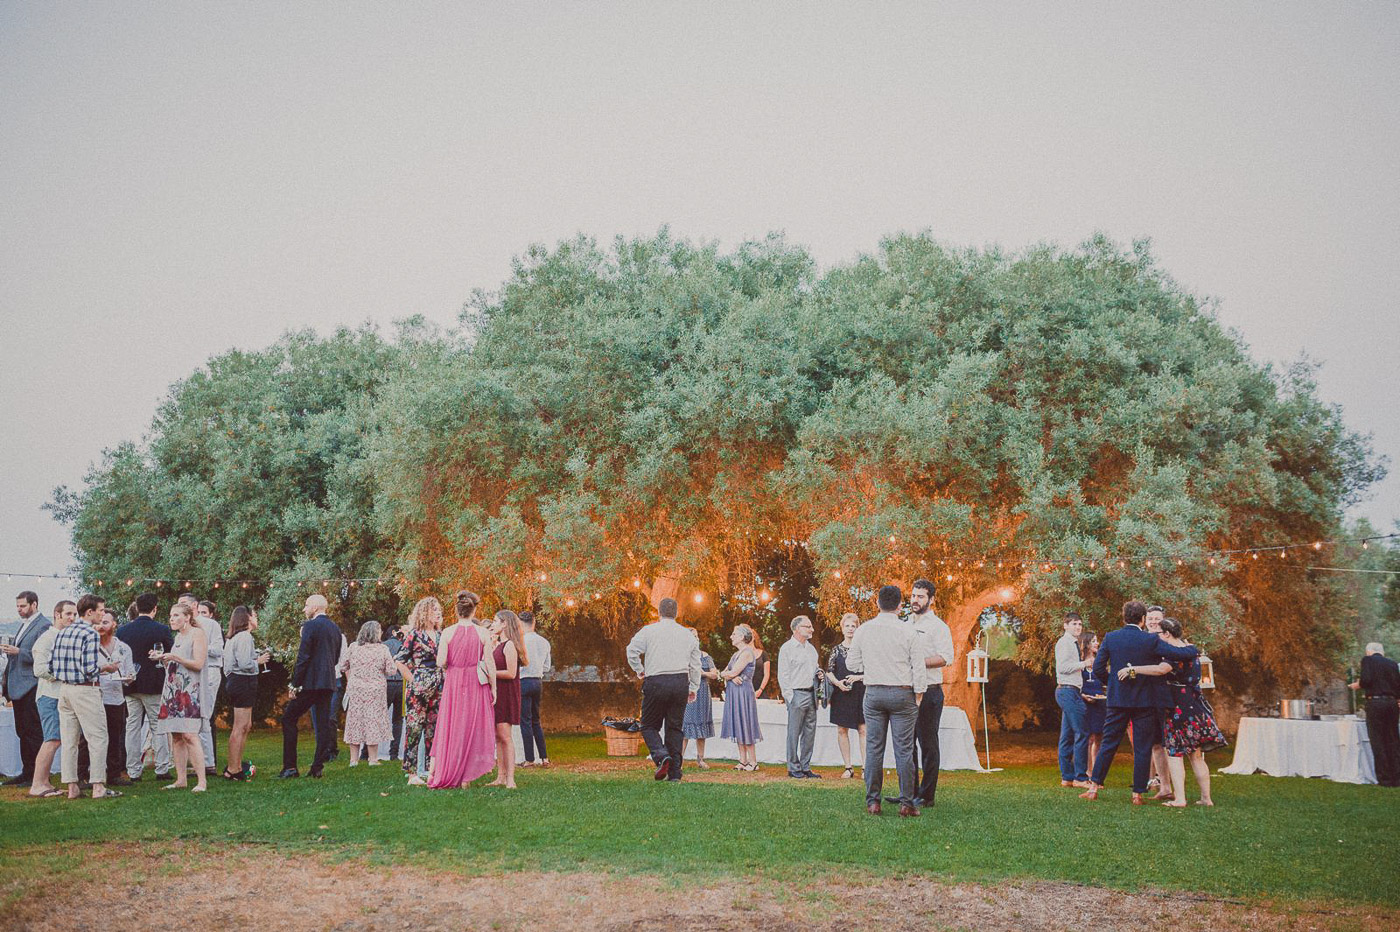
{"points": [[48, 718]]}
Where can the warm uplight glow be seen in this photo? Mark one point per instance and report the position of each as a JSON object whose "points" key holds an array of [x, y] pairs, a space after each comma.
{"points": [[1008, 594], [699, 597]]}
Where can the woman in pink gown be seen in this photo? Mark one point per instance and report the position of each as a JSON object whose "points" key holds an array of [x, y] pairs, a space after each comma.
{"points": [[464, 746]]}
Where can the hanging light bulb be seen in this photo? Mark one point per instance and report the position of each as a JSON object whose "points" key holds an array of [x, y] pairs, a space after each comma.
{"points": [[699, 597], [636, 583], [836, 573]]}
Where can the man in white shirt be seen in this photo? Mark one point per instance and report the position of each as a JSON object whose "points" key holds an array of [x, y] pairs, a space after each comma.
{"points": [[937, 640], [667, 659], [1069, 696], [798, 671], [891, 655], [532, 690]]}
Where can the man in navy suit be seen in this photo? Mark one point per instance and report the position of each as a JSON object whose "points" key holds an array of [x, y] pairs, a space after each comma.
{"points": [[1132, 700], [313, 682]]}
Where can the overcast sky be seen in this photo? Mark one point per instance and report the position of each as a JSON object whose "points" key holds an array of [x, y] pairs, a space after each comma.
{"points": [[180, 179]]}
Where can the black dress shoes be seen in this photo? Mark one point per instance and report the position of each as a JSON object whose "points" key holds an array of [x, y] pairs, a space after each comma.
{"points": [[291, 773], [810, 775], [314, 773], [663, 767]]}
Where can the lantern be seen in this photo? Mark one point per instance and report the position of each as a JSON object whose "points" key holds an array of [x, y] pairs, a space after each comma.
{"points": [[977, 666], [1207, 673]]}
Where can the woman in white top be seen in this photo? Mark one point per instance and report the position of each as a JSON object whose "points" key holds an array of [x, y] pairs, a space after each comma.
{"points": [[241, 661]]}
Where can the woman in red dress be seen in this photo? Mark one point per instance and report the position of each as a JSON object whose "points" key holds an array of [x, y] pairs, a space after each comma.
{"points": [[510, 657]]}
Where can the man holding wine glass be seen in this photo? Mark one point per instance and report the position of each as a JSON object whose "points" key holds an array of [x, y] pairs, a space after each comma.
{"points": [[144, 634]]}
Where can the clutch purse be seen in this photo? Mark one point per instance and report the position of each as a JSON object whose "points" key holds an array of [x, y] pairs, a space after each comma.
{"points": [[482, 675]]}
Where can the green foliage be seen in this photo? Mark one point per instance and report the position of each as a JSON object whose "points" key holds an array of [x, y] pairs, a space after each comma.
{"points": [[660, 409]]}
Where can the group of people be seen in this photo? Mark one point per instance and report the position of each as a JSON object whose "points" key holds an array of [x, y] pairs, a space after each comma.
{"points": [[464, 687], [103, 693], [1143, 676], [884, 681]]}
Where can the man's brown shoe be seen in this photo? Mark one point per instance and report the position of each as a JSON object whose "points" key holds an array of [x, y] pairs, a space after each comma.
{"points": [[1066, 783], [907, 811], [873, 808], [1138, 800]]}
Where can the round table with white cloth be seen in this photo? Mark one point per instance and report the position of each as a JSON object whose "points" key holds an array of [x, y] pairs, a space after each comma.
{"points": [[1287, 747], [956, 748]]}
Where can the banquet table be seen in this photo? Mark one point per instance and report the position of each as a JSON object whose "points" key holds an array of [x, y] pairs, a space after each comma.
{"points": [[1281, 747], [10, 764], [956, 748]]}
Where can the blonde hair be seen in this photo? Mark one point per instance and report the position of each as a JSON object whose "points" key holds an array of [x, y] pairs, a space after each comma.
{"points": [[513, 632], [426, 614], [852, 616]]}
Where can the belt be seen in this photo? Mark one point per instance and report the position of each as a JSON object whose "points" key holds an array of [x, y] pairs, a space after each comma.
{"points": [[1059, 686], [802, 689], [1380, 696]]}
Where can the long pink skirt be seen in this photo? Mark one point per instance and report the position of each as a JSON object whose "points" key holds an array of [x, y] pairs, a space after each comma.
{"points": [[464, 747]]}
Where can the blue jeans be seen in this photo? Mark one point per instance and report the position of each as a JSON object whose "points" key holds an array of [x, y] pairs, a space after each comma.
{"points": [[1074, 737], [531, 731]]}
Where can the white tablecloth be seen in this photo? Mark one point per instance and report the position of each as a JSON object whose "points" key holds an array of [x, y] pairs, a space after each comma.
{"points": [[956, 748], [10, 764], [1338, 750]]}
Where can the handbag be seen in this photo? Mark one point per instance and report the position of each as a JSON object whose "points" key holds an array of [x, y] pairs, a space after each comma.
{"points": [[482, 675]]}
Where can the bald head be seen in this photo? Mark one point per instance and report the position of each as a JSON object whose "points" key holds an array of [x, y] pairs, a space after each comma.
{"points": [[315, 605]]}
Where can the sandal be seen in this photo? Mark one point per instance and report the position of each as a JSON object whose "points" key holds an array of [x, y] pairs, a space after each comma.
{"points": [[848, 773], [230, 775], [48, 794]]}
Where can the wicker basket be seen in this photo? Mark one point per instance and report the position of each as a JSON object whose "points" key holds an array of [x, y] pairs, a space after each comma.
{"points": [[622, 743]]}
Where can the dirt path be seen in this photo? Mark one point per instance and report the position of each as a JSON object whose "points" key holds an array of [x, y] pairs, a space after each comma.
{"points": [[249, 887]]}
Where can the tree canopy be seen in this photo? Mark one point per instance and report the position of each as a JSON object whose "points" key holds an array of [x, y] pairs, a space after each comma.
{"points": [[662, 409]]}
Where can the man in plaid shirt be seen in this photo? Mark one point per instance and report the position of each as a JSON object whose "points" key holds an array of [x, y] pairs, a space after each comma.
{"points": [[75, 663]]}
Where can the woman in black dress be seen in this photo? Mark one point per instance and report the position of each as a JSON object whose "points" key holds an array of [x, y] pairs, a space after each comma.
{"points": [[848, 693]]}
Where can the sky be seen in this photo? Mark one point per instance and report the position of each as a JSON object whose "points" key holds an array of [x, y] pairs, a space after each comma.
{"points": [[180, 180]]}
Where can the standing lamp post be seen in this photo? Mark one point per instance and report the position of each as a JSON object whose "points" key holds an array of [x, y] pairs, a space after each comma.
{"points": [[977, 673]]}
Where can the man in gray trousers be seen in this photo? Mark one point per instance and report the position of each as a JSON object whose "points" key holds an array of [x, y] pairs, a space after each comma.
{"points": [[891, 656], [798, 674]]}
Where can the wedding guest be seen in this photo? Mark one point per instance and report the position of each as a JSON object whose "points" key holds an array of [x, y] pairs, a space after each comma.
{"points": [[509, 655], [1069, 696], [1380, 678], [417, 661], [313, 682], [532, 689], [739, 722], [667, 659], [463, 746], [241, 659], [1133, 700], [699, 721], [938, 647], [366, 667], [46, 700], [181, 715], [1094, 696], [76, 663], [892, 656], [206, 617], [393, 692], [143, 635], [329, 721], [761, 665], [1158, 775], [799, 673], [1190, 728], [111, 652], [848, 695], [20, 686]]}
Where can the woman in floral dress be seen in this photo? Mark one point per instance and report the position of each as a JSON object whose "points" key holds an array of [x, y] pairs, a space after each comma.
{"points": [[422, 685], [1190, 728], [179, 702], [366, 667]]}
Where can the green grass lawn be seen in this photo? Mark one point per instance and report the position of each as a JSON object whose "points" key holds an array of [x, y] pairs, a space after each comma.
{"points": [[1267, 838]]}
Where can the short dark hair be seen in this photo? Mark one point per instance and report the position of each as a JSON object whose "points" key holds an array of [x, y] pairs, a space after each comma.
{"points": [[1134, 612], [1071, 616], [213, 610], [668, 609], [927, 586], [526, 617], [186, 595], [58, 606], [132, 611], [146, 603], [32, 598], [108, 611], [889, 598], [88, 602], [1172, 627]]}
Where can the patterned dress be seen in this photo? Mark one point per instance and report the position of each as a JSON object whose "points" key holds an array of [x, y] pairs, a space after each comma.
{"points": [[421, 693], [699, 719], [179, 701], [847, 708], [1190, 723], [367, 668]]}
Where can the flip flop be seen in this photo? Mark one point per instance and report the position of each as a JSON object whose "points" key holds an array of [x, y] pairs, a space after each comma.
{"points": [[110, 793], [48, 794]]}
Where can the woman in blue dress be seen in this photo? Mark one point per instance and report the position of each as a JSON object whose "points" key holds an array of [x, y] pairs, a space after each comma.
{"points": [[699, 722], [1095, 696], [740, 722]]}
